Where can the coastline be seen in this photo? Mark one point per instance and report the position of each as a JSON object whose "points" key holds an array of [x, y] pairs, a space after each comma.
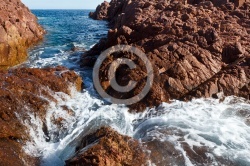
{"points": [[191, 115]]}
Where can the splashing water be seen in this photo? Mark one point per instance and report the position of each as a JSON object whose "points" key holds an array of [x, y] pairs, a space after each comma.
{"points": [[199, 132], [221, 130]]}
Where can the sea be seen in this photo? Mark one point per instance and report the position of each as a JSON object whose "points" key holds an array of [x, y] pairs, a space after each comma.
{"points": [[220, 128]]}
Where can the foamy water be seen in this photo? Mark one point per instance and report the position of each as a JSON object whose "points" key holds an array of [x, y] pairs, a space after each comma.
{"points": [[219, 130], [221, 127]]}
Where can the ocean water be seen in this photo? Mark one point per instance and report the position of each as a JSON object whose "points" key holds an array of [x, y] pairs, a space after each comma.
{"points": [[199, 132], [66, 29]]}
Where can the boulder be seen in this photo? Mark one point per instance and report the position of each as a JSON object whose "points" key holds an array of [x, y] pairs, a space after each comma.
{"points": [[106, 147]]}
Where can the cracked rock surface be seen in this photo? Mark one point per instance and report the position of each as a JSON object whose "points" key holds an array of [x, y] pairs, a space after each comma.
{"points": [[197, 50]]}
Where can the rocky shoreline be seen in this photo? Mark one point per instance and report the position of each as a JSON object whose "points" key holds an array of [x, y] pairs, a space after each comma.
{"points": [[24, 91], [197, 50]]}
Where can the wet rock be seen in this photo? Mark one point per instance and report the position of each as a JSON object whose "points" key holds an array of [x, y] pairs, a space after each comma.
{"points": [[77, 49], [18, 31], [27, 91], [108, 147], [11, 153], [166, 152]]}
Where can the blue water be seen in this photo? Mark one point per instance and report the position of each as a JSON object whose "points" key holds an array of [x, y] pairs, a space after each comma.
{"points": [[65, 29]]}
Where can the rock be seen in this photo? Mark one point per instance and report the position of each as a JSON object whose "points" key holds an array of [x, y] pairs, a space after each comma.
{"points": [[77, 49], [24, 91], [101, 12], [108, 147], [245, 91], [232, 52], [165, 153], [237, 3], [18, 31], [202, 48]]}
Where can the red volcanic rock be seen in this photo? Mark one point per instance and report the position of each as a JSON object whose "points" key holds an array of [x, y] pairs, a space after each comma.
{"points": [[18, 30], [196, 50], [24, 91], [108, 148]]}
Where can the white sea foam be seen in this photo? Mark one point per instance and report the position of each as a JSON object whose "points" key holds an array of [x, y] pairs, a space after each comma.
{"points": [[89, 114], [92, 45], [41, 59], [80, 45], [203, 122], [41, 18]]}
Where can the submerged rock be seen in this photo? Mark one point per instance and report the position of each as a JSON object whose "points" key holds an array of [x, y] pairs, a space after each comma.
{"points": [[197, 50], [107, 147], [22, 92], [167, 152], [18, 31]]}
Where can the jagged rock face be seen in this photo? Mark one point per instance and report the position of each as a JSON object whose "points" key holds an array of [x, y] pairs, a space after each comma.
{"points": [[108, 148], [196, 50], [18, 30], [24, 91]]}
